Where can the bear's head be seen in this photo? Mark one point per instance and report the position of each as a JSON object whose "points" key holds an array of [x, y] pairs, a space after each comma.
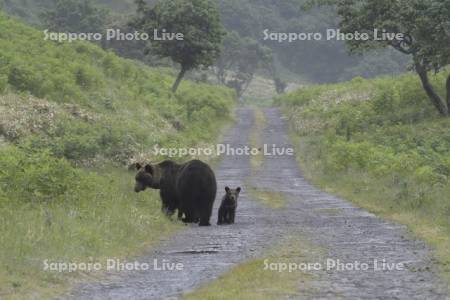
{"points": [[145, 178], [232, 194]]}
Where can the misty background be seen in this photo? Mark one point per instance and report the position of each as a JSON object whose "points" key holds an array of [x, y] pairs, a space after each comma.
{"points": [[301, 61]]}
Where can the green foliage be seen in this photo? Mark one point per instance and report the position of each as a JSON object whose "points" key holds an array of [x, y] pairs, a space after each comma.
{"points": [[106, 107], [380, 144], [3, 83], [316, 61], [229, 54], [240, 59], [71, 116], [23, 78], [198, 101], [198, 21], [425, 27], [89, 218], [38, 177], [75, 16], [383, 130], [424, 23], [280, 85]]}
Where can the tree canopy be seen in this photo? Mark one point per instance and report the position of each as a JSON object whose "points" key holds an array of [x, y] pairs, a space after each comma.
{"points": [[314, 61], [75, 16], [240, 59], [425, 26], [198, 21]]}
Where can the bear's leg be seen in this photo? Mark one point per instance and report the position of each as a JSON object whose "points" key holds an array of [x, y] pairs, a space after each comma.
{"points": [[180, 214], [188, 218], [204, 222], [224, 216], [189, 215], [232, 215], [204, 218], [205, 208], [227, 216], [220, 216]]}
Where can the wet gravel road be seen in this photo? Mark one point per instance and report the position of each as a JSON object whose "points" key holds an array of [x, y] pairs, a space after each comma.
{"points": [[347, 234]]}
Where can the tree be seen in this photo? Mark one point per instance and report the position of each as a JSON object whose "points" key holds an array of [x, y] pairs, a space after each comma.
{"points": [[424, 24], [280, 85], [253, 56], [75, 16], [229, 56], [240, 59], [198, 21]]}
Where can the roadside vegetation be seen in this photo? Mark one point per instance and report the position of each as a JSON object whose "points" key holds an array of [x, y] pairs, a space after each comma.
{"points": [[72, 117], [381, 144]]}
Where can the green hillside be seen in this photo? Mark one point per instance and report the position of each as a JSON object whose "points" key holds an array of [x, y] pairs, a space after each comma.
{"points": [[31, 10], [72, 117], [381, 144]]}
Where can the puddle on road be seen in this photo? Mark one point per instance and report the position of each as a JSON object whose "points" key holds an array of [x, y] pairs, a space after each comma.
{"points": [[194, 252]]}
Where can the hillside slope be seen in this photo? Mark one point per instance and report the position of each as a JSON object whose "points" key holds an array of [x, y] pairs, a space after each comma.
{"points": [[72, 116]]}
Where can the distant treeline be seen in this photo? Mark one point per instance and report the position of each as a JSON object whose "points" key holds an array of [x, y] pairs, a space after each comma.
{"points": [[315, 61]]}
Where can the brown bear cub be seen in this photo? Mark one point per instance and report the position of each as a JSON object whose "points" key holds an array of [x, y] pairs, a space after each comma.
{"points": [[227, 210]]}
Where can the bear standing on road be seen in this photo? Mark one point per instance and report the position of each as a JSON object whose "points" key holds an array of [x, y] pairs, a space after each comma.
{"points": [[227, 210], [190, 187]]}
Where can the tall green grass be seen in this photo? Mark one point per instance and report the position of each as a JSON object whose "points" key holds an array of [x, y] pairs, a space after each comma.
{"points": [[96, 216], [109, 107]]}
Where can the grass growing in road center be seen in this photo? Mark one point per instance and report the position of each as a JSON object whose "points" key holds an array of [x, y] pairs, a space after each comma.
{"points": [[259, 124], [257, 279], [268, 198]]}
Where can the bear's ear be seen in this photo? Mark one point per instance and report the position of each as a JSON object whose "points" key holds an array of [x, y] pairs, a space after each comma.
{"points": [[227, 189], [149, 169], [138, 166], [238, 189]]}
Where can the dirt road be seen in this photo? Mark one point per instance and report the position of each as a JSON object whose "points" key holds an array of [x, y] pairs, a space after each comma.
{"points": [[347, 234]]}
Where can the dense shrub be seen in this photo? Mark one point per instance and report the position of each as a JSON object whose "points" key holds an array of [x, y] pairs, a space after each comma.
{"points": [[37, 176]]}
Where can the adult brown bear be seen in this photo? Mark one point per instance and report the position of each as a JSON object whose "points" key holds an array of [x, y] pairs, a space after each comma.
{"points": [[190, 187]]}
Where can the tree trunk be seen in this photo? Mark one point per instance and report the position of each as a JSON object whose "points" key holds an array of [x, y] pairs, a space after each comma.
{"points": [[247, 84], [221, 76], [448, 94], [434, 97], [179, 78]]}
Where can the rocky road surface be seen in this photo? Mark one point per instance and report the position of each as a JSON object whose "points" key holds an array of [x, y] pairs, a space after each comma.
{"points": [[345, 232]]}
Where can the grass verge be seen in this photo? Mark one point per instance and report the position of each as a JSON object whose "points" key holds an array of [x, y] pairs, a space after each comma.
{"points": [[107, 223]]}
